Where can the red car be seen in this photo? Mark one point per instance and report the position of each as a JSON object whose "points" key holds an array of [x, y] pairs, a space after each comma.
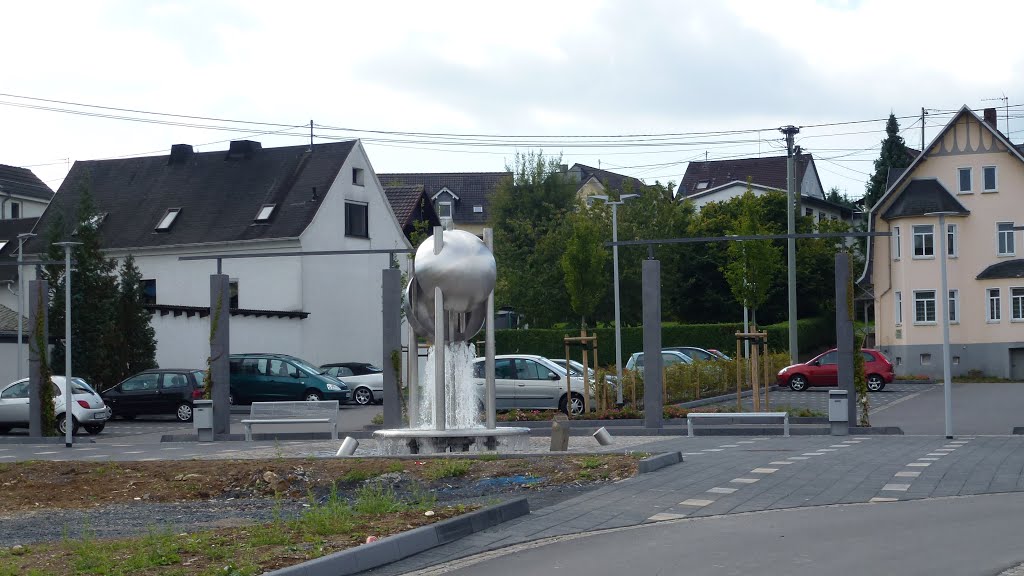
{"points": [[823, 370]]}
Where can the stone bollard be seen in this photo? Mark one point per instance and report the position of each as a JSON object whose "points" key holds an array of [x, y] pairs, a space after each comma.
{"points": [[560, 433]]}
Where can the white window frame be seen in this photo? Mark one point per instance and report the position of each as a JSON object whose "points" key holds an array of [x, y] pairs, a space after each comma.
{"points": [[913, 229], [899, 308], [953, 303], [1016, 304], [952, 240], [442, 216], [993, 295], [970, 175], [995, 178], [897, 249], [167, 220], [935, 313], [265, 212], [1013, 242]]}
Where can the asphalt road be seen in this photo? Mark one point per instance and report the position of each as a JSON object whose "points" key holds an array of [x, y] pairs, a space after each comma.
{"points": [[973, 535], [993, 408]]}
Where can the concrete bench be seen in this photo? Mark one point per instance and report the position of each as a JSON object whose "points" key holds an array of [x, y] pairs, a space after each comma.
{"points": [[738, 415], [324, 412]]}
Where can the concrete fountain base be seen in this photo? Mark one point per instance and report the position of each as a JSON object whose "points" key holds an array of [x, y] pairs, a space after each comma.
{"points": [[402, 441]]}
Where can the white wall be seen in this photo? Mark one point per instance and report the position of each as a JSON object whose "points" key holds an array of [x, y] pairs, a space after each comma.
{"points": [[810, 185], [30, 207], [9, 362], [184, 342]]}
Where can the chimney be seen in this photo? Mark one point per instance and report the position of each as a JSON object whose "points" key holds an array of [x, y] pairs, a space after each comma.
{"points": [[180, 153], [991, 118], [243, 149]]}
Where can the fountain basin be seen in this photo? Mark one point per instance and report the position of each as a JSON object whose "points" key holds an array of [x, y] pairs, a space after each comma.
{"points": [[404, 441]]}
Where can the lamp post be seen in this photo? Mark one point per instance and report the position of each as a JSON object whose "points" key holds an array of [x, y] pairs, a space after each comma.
{"points": [[21, 293], [615, 271], [69, 419], [944, 299]]}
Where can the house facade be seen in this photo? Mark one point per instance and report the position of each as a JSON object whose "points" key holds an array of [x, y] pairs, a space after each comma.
{"points": [[460, 199], [247, 201], [975, 175], [22, 193]]}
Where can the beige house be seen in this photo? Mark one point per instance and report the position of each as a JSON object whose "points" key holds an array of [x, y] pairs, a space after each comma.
{"points": [[974, 172]]}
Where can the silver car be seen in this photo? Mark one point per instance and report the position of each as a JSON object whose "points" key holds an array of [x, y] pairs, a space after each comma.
{"points": [[530, 382], [88, 409], [668, 358], [365, 380]]}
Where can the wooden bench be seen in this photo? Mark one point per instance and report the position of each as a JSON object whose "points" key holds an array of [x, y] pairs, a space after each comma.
{"points": [[324, 412], [738, 415]]}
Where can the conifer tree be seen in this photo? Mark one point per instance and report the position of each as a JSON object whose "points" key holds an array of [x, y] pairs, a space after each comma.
{"points": [[894, 154]]}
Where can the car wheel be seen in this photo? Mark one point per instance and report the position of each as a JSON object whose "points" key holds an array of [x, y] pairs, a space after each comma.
{"points": [[184, 412], [576, 406], [363, 396], [62, 425], [94, 429], [313, 396], [798, 382], [875, 383]]}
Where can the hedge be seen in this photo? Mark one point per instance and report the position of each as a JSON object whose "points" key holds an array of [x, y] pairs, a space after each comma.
{"points": [[814, 334]]}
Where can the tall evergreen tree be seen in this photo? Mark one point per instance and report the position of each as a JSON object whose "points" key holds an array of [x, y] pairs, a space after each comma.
{"points": [[133, 341], [894, 154], [93, 294]]}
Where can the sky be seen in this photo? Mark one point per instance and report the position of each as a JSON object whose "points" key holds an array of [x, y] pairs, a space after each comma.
{"points": [[639, 87]]}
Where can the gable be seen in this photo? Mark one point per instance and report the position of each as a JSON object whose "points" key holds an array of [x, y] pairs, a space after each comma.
{"points": [[24, 183]]}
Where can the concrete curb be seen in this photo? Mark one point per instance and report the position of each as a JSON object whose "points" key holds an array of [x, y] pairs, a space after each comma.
{"points": [[42, 440], [658, 462], [405, 544]]}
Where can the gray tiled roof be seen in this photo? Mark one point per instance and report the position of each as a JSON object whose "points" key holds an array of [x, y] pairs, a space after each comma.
{"points": [[9, 230], [219, 193], [922, 196], [1004, 269], [616, 182], [8, 320], [23, 182], [767, 171], [472, 188]]}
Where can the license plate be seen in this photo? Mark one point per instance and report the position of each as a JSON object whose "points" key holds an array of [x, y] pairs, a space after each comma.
{"points": [[99, 416]]}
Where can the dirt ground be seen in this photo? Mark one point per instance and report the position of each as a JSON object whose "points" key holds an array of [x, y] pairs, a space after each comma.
{"points": [[79, 485]]}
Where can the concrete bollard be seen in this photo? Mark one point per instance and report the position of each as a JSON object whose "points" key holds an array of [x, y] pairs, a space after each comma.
{"points": [[603, 437], [348, 446], [560, 433]]}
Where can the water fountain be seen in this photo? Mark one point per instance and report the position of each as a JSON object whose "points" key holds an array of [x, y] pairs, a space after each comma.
{"points": [[446, 301]]}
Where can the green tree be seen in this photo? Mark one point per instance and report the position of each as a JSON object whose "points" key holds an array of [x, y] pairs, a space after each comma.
{"points": [[133, 342], [585, 263], [753, 265], [94, 294], [836, 197], [894, 154], [528, 214]]}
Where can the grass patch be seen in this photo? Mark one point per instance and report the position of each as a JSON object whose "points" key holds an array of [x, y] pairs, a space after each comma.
{"points": [[358, 475], [445, 468], [488, 457], [591, 462]]}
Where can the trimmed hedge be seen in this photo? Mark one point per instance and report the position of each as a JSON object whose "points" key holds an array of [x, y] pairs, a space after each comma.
{"points": [[814, 334]]}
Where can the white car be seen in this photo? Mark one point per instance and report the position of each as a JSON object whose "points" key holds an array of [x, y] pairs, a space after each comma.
{"points": [[88, 409], [668, 358], [365, 380], [530, 382]]}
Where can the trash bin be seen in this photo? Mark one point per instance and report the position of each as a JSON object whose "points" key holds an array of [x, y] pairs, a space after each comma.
{"points": [[838, 414], [202, 419]]}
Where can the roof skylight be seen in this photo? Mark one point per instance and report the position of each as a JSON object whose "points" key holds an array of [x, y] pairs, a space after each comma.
{"points": [[168, 219], [265, 212], [2, 244]]}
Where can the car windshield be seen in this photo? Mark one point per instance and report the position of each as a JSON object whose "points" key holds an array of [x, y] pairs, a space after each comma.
{"points": [[79, 386], [306, 366], [373, 369]]}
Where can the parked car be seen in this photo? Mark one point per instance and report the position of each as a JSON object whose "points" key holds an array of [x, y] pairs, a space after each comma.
{"points": [[719, 353], [88, 410], [576, 370], [530, 382], [275, 377], [157, 391], [823, 370], [668, 358], [364, 379], [694, 353]]}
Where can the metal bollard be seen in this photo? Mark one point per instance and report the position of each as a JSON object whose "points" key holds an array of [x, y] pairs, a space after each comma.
{"points": [[603, 437], [348, 446]]}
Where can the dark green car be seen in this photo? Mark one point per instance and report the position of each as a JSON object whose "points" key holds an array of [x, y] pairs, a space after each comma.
{"points": [[279, 377]]}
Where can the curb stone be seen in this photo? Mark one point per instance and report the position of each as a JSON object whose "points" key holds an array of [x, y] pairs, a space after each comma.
{"points": [[660, 461], [405, 544]]}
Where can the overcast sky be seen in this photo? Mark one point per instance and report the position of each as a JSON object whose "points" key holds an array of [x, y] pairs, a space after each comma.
{"points": [[551, 68]]}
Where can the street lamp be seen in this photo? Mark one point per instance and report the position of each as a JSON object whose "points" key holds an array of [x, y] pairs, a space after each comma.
{"points": [[69, 419], [615, 270], [944, 299], [21, 292]]}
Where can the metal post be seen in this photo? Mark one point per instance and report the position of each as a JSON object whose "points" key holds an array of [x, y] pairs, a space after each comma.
{"points": [[69, 418], [439, 318], [844, 335], [21, 295], [220, 353], [490, 392], [790, 131], [618, 319], [39, 291], [946, 386], [414, 366], [391, 306], [651, 290]]}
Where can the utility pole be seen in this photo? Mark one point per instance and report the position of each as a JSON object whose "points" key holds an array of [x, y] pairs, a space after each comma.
{"points": [[791, 131], [923, 113]]}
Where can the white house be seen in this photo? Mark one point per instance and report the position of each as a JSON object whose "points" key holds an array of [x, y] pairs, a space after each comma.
{"points": [[249, 200], [22, 193]]}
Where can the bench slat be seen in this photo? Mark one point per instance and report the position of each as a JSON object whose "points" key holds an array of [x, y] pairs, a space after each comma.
{"points": [[296, 412]]}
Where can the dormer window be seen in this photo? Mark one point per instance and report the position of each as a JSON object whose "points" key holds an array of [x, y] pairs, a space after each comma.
{"points": [[702, 184], [168, 220], [444, 209], [265, 211], [478, 209]]}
